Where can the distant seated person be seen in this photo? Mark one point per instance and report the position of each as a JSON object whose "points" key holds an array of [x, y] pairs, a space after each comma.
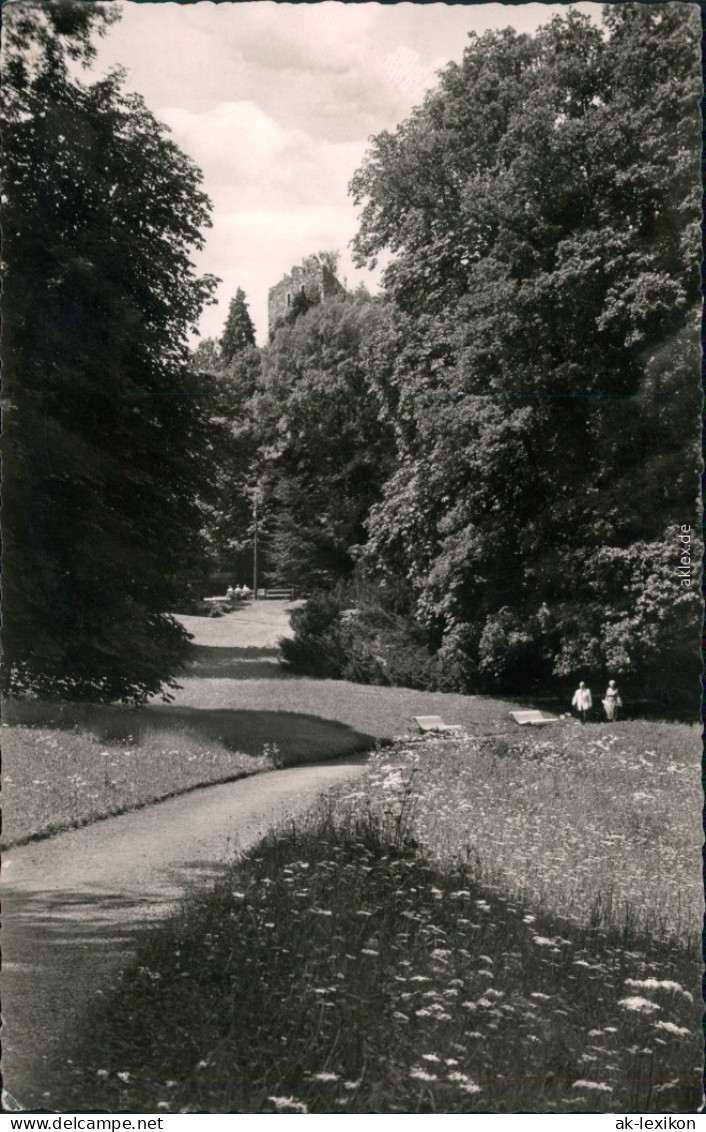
{"points": [[237, 593], [230, 593], [245, 592]]}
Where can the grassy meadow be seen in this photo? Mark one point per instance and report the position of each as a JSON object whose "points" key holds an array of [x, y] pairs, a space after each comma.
{"points": [[56, 779], [468, 928], [600, 823], [236, 713]]}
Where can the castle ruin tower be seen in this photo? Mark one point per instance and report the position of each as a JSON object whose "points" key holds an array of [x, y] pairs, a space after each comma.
{"points": [[309, 283]]}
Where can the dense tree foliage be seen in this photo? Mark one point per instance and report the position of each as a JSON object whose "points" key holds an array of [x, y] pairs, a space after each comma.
{"points": [[539, 212], [327, 450], [106, 437], [541, 208], [235, 455], [487, 471], [296, 425]]}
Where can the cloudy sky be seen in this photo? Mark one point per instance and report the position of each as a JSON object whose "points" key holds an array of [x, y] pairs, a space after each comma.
{"points": [[275, 102]]}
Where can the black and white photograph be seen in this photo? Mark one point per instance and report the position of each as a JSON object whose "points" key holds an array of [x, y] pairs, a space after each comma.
{"points": [[351, 601]]}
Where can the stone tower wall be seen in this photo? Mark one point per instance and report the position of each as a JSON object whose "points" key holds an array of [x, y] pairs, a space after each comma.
{"points": [[311, 278]]}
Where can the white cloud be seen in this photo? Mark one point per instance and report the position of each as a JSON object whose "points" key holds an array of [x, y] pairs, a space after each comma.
{"points": [[254, 248], [236, 142], [276, 101]]}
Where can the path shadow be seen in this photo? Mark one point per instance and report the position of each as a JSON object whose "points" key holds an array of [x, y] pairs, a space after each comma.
{"points": [[208, 661], [56, 941], [298, 738]]}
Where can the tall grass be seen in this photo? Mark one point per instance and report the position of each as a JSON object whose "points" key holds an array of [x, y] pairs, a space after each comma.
{"points": [[54, 779], [345, 966], [597, 822]]}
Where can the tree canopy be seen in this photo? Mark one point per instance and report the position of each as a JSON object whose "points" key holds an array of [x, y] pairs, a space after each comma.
{"points": [[540, 214], [106, 439], [327, 452]]}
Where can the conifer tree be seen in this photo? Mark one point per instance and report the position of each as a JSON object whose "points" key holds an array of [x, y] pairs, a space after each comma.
{"points": [[239, 332]]}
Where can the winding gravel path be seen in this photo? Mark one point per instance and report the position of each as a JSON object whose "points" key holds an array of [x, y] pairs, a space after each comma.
{"points": [[73, 903]]}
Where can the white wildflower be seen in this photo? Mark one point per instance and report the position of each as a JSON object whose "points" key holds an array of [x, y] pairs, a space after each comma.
{"points": [[638, 1004], [678, 1031], [420, 1074], [288, 1102], [659, 984]]}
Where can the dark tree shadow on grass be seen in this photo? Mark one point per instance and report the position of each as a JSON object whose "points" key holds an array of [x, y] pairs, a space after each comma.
{"points": [[209, 661], [299, 738]]}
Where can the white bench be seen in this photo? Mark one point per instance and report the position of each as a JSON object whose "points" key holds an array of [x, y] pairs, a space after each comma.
{"points": [[533, 718], [225, 600], [435, 723]]}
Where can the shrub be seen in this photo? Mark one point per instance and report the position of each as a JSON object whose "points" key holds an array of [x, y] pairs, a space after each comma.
{"points": [[316, 648], [369, 644]]}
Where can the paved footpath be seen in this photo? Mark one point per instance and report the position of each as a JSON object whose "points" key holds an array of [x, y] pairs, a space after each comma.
{"points": [[72, 904]]}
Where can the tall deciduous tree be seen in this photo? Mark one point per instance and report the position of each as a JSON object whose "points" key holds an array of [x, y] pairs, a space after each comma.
{"points": [[106, 437], [541, 212], [326, 449]]}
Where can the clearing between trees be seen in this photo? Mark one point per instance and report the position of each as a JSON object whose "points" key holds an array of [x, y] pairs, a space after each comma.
{"points": [[236, 713]]}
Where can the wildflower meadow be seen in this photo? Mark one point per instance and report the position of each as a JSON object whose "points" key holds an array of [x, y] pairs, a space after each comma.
{"points": [[386, 954], [58, 779]]}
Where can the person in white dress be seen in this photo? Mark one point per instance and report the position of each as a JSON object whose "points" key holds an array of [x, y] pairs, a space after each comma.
{"points": [[612, 702]]}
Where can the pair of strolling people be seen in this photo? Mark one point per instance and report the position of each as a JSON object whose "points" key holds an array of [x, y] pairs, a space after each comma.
{"points": [[583, 701]]}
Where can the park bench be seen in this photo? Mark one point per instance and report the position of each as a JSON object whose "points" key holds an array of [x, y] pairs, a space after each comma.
{"points": [[225, 600], [532, 718], [433, 723]]}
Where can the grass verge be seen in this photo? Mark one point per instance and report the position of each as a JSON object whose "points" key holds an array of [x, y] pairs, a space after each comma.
{"points": [[342, 966], [60, 779], [56, 774], [598, 823]]}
